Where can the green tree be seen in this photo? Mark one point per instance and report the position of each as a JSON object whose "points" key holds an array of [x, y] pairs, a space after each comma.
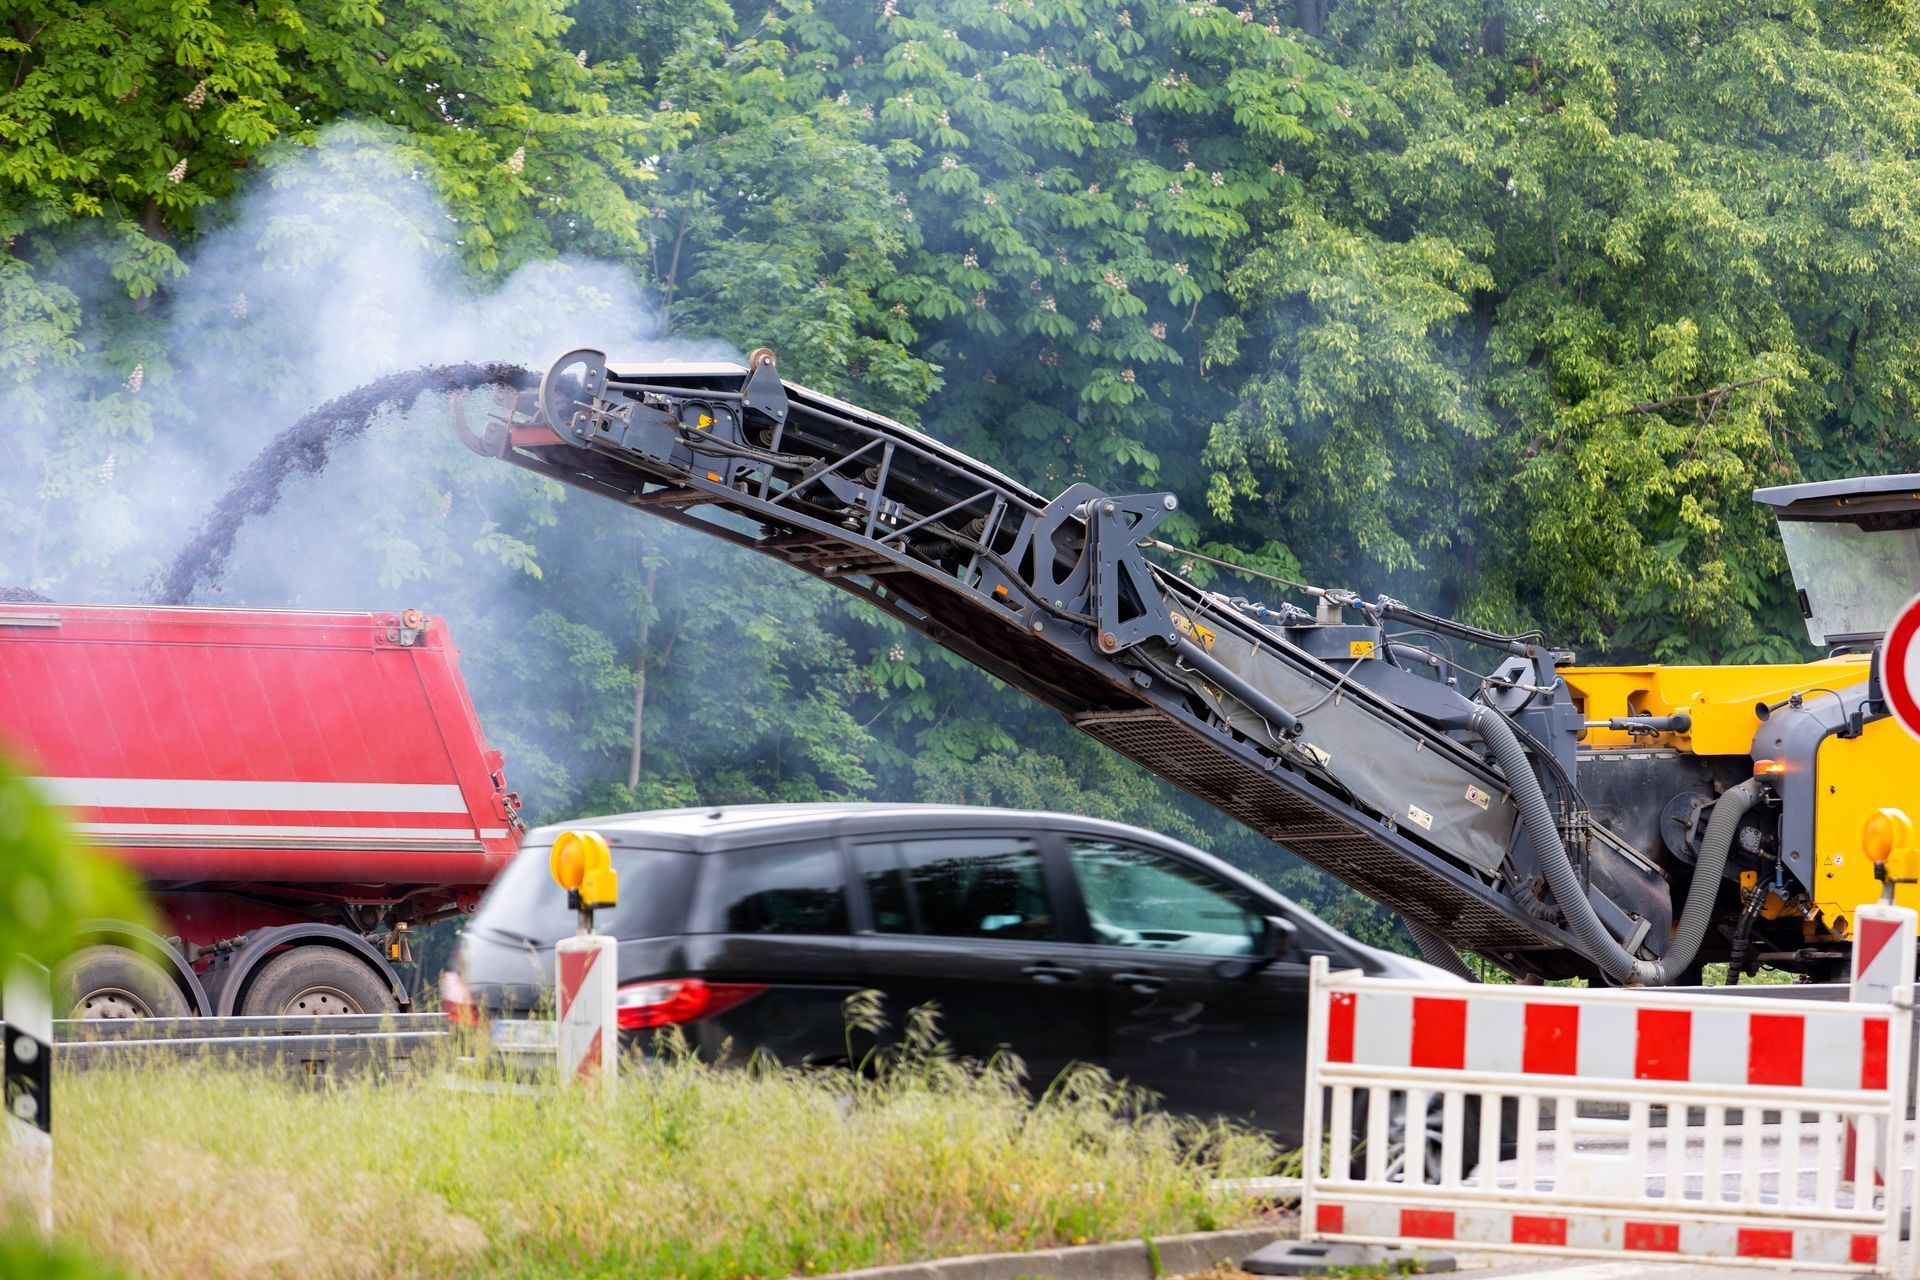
{"points": [[1594, 275]]}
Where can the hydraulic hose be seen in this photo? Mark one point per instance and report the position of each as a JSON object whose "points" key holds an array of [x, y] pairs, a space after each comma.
{"points": [[1438, 952], [1537, 819], [1715, 845]]}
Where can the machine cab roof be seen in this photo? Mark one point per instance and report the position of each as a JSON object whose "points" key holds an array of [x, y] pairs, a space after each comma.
{"points": [[1855, 550]]}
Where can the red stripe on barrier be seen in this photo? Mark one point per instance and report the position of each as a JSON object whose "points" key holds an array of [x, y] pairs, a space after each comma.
{"points": [[1340, 1027], [1427, 1224], [574, 967], [1776, 1049], [1439, 1033], [1866, 1250], [1869, 939], [1552, 1046], [1531, 1230], [1873, 1053], [1752, 1242], [1663, 1045], [1652, 1237], [1330, 1219], [590, 1065]]}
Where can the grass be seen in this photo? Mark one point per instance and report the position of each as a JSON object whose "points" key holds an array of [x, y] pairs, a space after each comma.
{"points": [[678, 1170]]}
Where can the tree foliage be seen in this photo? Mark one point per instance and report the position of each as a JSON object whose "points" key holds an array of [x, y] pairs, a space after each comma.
{"points": [[1503, 309]]}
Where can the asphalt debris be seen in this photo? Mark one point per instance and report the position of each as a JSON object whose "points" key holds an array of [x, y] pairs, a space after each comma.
{"points": [[305, 449]]}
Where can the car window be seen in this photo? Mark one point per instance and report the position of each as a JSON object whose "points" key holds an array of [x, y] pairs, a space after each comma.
{"points": [[525, 905], [959, 887], [1139, 898], [886, 881], [790, 889]]}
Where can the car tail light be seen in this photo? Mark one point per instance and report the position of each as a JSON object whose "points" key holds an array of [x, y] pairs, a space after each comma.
{"points": [[675, 1000], [458, 1002]]}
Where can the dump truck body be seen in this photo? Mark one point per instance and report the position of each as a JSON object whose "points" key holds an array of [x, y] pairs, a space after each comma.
{"points": [[262, 769]]}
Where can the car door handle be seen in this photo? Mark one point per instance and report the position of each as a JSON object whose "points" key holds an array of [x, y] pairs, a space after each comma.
{"points": [[1048, 971], [1145, 983]]}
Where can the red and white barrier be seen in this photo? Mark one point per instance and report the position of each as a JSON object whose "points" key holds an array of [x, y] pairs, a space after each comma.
{"points": [[1659, 1126], [587, 981]]}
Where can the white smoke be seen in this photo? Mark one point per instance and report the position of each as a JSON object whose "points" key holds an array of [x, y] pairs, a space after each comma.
{"points": [[338, 266]]}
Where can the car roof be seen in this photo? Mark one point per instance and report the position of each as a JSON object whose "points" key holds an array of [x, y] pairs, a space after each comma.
{"points": [[721, 826]]}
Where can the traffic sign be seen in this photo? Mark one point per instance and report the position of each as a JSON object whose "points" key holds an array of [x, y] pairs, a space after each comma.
{"points": [[1900, 666]]}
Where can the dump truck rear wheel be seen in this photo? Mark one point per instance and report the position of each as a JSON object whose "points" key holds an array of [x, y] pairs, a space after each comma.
{"points": [[316, 981], [114, 982]]}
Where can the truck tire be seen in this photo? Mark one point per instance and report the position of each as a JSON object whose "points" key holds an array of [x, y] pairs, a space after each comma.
{"points": [[115, 982], [316, 980]]}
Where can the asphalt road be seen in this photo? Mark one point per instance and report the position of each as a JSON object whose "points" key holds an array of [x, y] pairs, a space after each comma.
{"points": [[1693, 1167]]}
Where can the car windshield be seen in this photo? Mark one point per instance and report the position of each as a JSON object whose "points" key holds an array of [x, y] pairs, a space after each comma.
{"points": [[525, 905], [1853, 576]]}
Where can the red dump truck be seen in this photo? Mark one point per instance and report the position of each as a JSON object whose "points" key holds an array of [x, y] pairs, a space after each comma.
{"points": [[299, 790]]}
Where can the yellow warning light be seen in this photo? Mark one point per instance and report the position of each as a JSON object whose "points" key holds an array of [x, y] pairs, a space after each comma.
{"points": [[714, 476], [582, 862], [1769, 768], [1000, 591], [1885, 831], [600, 885], [572, 856]]}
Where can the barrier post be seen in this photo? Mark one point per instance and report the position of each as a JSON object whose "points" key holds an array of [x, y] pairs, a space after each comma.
{"points": [[586, 966], [27, 1148], [1883, 941]]}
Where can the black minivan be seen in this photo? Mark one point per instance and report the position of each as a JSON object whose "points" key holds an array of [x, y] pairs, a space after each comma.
{"points": [[1059, 938]]}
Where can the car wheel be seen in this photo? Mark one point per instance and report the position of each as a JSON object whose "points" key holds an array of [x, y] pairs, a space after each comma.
{"points": [[316, 981], [1430, 1137], [116, 982]]}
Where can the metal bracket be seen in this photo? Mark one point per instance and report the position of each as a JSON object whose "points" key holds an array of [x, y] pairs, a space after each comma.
{"points": [[1126, 602]]}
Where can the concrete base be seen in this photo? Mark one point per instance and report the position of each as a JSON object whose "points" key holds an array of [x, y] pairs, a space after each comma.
{"points": [[1183, 1255], [1296, 1258]]}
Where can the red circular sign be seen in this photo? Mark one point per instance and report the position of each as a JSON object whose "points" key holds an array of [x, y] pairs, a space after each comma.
{"points": [[1900, 666]]}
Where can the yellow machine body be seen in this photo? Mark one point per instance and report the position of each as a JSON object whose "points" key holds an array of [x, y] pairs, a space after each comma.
{"points": [[1855, 776]]}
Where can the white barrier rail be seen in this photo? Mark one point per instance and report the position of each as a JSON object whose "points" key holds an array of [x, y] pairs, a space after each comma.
{"points": [[1734, 1146]]}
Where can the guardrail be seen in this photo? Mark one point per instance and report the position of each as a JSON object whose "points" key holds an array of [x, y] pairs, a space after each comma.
{"points": [[335, 1043]]}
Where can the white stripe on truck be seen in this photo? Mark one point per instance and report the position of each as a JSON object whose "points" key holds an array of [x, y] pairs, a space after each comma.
{"points": [[213, 793], [215, 829]]}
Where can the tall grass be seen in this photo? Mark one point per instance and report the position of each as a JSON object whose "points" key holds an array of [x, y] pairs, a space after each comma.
{"points": [[679, 1169]]}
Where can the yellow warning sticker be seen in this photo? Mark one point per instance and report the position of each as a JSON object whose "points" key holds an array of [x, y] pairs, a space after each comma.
{"points": [[1476, 796], [1419, 817], [1360, 648]]}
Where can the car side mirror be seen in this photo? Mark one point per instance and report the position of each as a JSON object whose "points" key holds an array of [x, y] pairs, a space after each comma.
{"points": [[1274, 941]]}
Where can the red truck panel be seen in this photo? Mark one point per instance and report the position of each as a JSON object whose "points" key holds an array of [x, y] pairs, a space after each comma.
{"points": [[231, 746]]}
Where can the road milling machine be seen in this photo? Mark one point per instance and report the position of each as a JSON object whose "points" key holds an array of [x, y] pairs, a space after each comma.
{"points": [[1621, 824]]}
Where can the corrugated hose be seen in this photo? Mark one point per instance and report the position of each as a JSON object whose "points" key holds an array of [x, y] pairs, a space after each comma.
{"points": [[1536, 817]]}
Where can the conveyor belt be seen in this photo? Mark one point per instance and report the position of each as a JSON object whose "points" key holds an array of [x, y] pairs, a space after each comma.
{"points": [[1056, 598]]}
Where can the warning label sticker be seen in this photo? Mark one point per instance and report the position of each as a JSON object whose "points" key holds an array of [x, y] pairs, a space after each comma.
{"points": [[1476, 796], [1419, 817]]}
